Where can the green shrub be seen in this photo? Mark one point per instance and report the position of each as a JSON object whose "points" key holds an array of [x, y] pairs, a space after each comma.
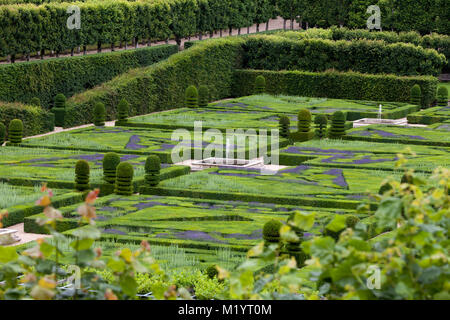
{"points": [[321, 122], [123, 110], [284, 125], [35, 102], [212, 271], [442, 96], [60, 101], [260, 85], [191, 97], [124, 179], [99, 114], [337, 129], [152, 170], [203, 96], [110, 163], [59, 109], [416, 95], [15, 131], [304, 120], [2, 133], [82, 175], [407, 178], [385, 187], [351, 221], [271, 231]]}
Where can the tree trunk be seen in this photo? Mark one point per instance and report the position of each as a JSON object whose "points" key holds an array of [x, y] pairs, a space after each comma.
{"points": [[248, 30], [231, 31], [78, 50], [126, 45], [121, 44], [149, 42], [239, 31], [84, 50], [292, 24], [72, 50], [211, 34], [284, 24], [42, 54], [28, 57], [99, 47], [57, 54], [267, 26], [13, 58], [112, 47], [167, 41], [257, 27], [221, 33], [200, 36]]}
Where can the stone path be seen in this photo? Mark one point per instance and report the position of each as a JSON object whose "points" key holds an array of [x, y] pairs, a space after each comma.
{"points": [[25, 237]]}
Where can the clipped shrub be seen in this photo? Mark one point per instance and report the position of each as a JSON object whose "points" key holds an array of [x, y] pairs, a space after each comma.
{"points": [[203, 96], [321, 123], [15, 131], [304, 120], [271, 231], [212, 271], [82, 175], [99, 114], [260, 85], [123, 110], [337, 130], [284, 125], [442, 96], [110, 163], [416, 95], [407, 178], [59, 109], [2, 133], [191, 97], [351, 221], [152, 170], [124, 179], [385, 187], [35, 102]]}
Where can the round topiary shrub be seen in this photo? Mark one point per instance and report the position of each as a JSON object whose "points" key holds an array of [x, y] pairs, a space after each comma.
{"points": [[212, 271], [15, 131], [191, 97], [416, 95], [407, 178], [385, 187], [284, 125], [82, 175], [124, 179], [271, 231], [260, 85], [203, 96], [152, 170], [442, 96], [304, 120], [337, 129], [99, 114], [59, 109], [60, 101], [321, 123], [110, 163], [35, 102], [351, 221], [123, 110], [2, 133]]}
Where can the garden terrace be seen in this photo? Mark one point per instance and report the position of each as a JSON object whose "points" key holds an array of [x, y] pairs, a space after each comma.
{"points": [[430, 116]]}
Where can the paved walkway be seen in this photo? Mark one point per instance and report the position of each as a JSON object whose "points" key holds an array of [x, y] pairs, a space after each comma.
{"points": [[25, 237]]}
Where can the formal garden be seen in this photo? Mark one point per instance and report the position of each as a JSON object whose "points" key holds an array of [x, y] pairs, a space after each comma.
{"points": [[186, 149]]}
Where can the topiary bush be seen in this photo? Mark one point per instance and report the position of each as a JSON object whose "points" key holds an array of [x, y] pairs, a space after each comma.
{"points": [[124, 179], [15, 131], [203, 96], [59, 109], [212, 271], [337, 130], [123, 110], [260, 85], [99, 114], [304, 120], [152, 170], [284, 125], [385, 187], [110, 163], [191, 97], [416, 95], [35, 102], [442, 96], [82, 175], [271, 231], [2, 133], [351, 221], [321, 123]]}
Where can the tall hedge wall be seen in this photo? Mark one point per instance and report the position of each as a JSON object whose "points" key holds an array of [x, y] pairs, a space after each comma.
{"points": [[162, 85], [35, 119], [45, 79], [277, 53], [333, 84]]}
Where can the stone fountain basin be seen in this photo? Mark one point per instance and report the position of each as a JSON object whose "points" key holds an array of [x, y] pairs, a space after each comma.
{"points": [[369, 121], [230, 163]]}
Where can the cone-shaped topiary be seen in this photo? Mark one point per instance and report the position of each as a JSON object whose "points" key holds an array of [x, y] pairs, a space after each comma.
{"points": [[59, 109], [271, 231], [337, 129], [82, 175], [191, 97], [2, 133], [152, 170], [416, 95], [15, 131], [99, 114], [260, 85], [304, 120], [442, 97], [321, 123], [110, 163], [123, 110], [35, 102], [203, 96], [212, 271], [124, 179], [284, 124]]}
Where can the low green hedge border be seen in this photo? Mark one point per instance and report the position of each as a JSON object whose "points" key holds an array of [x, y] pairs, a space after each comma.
{"points": [[427, 117], [402, 141]]}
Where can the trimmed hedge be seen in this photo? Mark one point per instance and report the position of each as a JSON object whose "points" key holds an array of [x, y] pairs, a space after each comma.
{"points": [[124, 179], [15, 131], [191, 97], [99, 114], [2, 133], [110, 162], [82, 175], [71, 75], [338, 85], [152, 171]]}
